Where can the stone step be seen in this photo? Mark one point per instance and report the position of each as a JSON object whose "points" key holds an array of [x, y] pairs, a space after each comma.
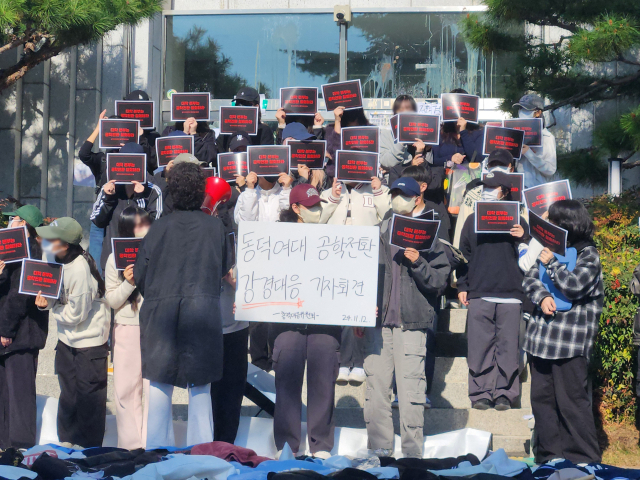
{"points": [[440, 420], [452, 320], [513, 445]]}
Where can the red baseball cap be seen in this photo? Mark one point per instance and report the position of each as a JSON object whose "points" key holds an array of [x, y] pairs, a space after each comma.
{"points": [[305, 195]]}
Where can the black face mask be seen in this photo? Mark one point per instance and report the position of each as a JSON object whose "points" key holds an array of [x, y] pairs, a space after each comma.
{"points": [[271, 178]]}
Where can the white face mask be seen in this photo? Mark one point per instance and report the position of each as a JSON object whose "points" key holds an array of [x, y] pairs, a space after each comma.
{"points": [[310, 214], [522, 113], [47, 249], [403, 205], [500, 169], [491, 195]]}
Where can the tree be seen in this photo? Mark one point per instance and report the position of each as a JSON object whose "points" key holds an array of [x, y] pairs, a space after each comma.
{"points": [[46, 27], [592, 56]]}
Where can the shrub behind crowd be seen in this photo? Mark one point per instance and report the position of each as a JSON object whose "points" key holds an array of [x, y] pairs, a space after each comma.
{"points": [[614, 363]]}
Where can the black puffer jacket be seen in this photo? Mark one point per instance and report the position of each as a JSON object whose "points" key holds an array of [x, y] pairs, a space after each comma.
{"points": [[635, 289], [20, 319]]}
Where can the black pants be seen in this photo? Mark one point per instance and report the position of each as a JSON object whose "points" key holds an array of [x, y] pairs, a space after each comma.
{"points": [[321, 353], [351, 349], [227, 393], [18, 399], [638, 380], [82, 408], [260, 348], [562, 408]]}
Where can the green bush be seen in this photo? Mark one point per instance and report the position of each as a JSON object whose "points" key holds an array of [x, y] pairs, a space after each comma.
{"points": [[614, 362]]}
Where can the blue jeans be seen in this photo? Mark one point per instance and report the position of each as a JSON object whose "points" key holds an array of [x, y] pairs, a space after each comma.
{"points": [[96, 237]]}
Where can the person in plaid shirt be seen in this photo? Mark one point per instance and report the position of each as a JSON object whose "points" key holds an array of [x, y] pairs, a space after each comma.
{"points": [[560, 342]]}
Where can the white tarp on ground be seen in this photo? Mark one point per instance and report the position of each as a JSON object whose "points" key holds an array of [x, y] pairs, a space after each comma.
{"points": [[257, 434]]}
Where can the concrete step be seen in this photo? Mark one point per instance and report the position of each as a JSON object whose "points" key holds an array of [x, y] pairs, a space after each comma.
{"points": [[514, 445], [452, 320], [450, 344], [440, 420]]}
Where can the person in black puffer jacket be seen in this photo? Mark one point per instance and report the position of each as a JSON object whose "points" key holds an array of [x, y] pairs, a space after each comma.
{"points": [[635, 289], [23, 332]]}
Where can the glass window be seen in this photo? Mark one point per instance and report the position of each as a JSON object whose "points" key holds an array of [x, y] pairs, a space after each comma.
{"points": [[420, 54], [221, 53]]}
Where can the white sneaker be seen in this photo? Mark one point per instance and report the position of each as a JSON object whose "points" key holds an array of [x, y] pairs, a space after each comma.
{"points": [[357, 376], [323, 454], [343, 376]]}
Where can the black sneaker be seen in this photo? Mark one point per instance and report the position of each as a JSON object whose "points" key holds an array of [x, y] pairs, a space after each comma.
{"points": [[502, 404], [482, 404]]}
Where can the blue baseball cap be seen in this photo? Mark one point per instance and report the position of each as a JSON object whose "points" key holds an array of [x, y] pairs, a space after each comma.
{"points": [[297, 131], [407, 185]]}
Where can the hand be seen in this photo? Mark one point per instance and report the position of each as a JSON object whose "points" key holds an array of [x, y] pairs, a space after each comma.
{"points": [[525, 149], [359, 331], [190, 125], [545, 215], [280, 116], [234, 308], [548, 306], [6, 341], [337, 114], [317, 177], [2, 265], [417, 160], [41, 302], [462, 297], [376, 184], [462, 123], [128, 274], [517, 231], [230, 279], [138, 187], [109, 188], [140, 130], [420, 146], [545, 256], [168, 167], [102, 116], [285, 180], [318, 120], [304, 171], [240, 180], [336, 188], [457, 158], [412, 254], [252, 179]]}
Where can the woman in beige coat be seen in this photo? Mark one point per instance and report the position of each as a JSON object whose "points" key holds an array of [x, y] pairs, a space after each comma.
{"points": [[123, 297]]}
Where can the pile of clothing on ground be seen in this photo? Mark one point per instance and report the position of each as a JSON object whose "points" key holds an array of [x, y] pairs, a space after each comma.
{"points": [[223, 461]]}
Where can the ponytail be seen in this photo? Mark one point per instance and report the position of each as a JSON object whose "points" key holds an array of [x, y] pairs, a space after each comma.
{"points": [[74, 252]]}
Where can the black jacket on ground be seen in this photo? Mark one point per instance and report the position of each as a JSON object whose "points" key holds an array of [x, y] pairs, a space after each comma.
{"points": [[421, 283], [493, 269], [178, 271], [107, 209], [264, 137], [20, 319]]}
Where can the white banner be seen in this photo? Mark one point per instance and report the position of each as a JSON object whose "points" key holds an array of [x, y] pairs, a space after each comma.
{"points": [[305, 273]]}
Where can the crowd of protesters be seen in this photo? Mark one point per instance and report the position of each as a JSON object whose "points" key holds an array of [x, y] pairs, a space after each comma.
{"points": [[169, 319]]}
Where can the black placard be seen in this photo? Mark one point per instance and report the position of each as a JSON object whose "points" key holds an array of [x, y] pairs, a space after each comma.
{"points": [[168, 148], [210, 172], [393, 125], [299, 100], [239, 119], [268, 160], [355, 166], [496, 217], [532, 128], [416, 125], [230, 164], [365, 139], [429, 215], [342, 94], [14, 244], [538, 199], [309, 153], [142, 110], [550, 236], [114, 132], [38, 276], [410, 232], [125, 251], [187, 105], [127, 167], [496, 138], [456, 105], [516, 183]]}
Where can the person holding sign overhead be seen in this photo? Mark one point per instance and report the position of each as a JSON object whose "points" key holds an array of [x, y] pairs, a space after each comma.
{"points": [[249, 97], [412, 281], [23, 332], [125, 300], [539, 164], [83, 320], [491, 286], [560, 341]]}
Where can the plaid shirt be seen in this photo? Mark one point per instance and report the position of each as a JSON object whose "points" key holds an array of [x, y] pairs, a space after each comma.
{"points": [[572, 333]]}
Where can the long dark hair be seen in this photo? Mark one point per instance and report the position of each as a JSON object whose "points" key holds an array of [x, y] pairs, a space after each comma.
{"points": [[355, 116], [404, 98], [126, 228], [73, 252], [449, 133], [574, 218]]}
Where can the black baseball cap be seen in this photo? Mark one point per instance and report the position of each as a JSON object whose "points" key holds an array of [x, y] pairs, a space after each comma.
{"points": [[240, 139], [137, 95], [248, 94], [495, 180], [500, 156]]}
